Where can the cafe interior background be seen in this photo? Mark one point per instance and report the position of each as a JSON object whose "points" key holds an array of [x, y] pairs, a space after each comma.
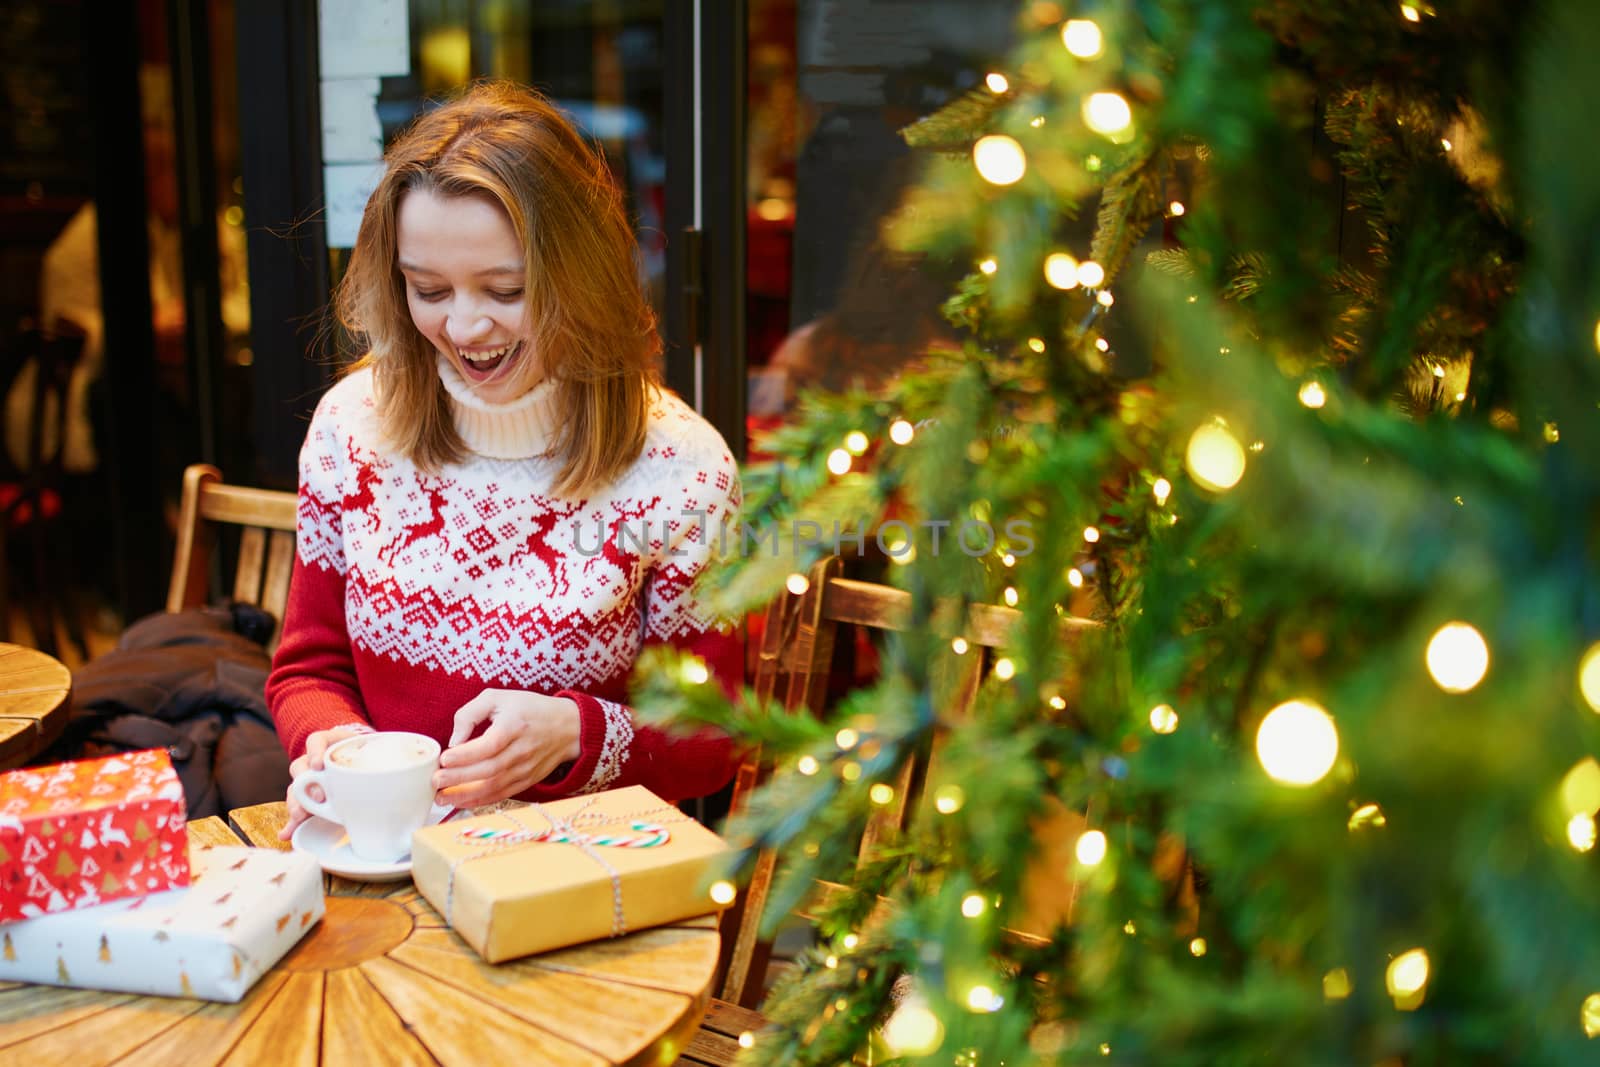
{"points": [[211, 155]]}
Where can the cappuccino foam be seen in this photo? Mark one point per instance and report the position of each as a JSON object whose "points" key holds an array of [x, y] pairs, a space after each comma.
{"points": [[381, 752]]}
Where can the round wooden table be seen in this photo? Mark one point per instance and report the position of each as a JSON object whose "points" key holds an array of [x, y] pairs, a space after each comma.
{"points": [[33, 702], [383, 980]]}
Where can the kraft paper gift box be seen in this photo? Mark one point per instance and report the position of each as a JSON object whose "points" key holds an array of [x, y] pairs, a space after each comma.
{"points": [[78, 834], [515, 882], [243, 909]]}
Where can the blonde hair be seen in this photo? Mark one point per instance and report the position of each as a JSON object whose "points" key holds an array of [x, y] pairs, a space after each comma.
{"points": [[590, 327]]}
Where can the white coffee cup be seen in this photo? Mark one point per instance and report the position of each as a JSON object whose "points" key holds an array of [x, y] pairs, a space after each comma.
{"points": [[379, 788]]}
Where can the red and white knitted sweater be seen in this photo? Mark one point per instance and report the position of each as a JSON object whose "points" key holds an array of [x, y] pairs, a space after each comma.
{"points": [[412, 592]]}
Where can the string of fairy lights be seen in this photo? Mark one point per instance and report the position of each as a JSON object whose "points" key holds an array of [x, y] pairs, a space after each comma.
{"points": [[1296, 741]]}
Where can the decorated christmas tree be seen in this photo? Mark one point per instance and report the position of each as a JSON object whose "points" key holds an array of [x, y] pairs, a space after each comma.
{"points": [[1278, 360]]}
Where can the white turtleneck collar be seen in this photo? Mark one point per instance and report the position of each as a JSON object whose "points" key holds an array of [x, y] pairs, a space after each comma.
{"points": [[519, 429]]}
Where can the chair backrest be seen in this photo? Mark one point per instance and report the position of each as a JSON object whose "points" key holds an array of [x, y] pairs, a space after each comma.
{"points": [[265, 519], [793, 667]]}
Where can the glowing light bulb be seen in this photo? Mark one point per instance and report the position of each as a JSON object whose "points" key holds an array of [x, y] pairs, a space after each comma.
{"points": [[1009, 560], [1107, 113], [1297, 743], [1104, 298], [797, 584], [1058, 703], [1445, 141], [1011, 596], [959, 646], [1036, 344], [1090, 274], [850, 941], [1161, 490], [1312, 395], [1214, 457], [1580, 788], [1581, 832], [973, 905], [901, 432], [996, 82], [747, 1040], [1061, 270], [1410, 13], [881, 794], [1090, 534], [1004, 669], [807, 765], [846, 738], [999, 159], [856, 442], [1091, 848], [1458, 657], [723, 892], [1036, 121], [989, 266], [839, 461], [1197, 947], [1163, 719], [949, 799], [1590, 1015], [1406, 977], [1336, 984], [1366, 816], [982, 998], [1102, 344], [1075, 578], [1082, 38], [1589, 677], [695, 672], [1175, 208], [913, 1030]]}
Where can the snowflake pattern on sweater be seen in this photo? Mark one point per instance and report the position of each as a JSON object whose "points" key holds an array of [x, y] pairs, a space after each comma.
{"points": [[414, 592]]}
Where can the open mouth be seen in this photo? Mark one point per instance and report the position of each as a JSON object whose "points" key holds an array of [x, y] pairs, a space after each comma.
{"points": [[481, 366]]}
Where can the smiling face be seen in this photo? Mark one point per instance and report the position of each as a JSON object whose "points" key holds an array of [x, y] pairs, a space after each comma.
{"points": [[465, 273]]}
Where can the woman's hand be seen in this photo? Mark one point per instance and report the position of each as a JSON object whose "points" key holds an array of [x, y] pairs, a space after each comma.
{"points": [[316, 745], [529, 736]]}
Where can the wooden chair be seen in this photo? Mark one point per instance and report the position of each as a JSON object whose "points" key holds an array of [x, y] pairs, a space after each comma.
{"points": [[265, 518], [797, 652]]}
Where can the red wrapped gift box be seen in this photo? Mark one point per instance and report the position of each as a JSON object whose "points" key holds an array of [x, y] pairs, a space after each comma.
{"points": [[90, 831]]}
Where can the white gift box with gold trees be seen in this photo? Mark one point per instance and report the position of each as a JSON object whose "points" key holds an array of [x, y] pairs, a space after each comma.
{"points": [[243, 909]]}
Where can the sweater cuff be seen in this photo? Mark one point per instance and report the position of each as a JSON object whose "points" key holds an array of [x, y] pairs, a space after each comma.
{"points": [[605, 741], [297, 716]]}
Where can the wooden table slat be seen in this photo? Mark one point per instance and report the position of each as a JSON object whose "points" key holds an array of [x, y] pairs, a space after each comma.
{"points": [[260, 824], [211, 831], [34, 688], [19, 739], [105, 1036], [671, 958], [612, 1019], [458, 1028], [207, 1036], [365, 1023], [33, 1009], [289, 1031]]}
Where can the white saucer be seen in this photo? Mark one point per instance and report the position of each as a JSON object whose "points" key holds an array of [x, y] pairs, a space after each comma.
{"points": [[328, 842]]}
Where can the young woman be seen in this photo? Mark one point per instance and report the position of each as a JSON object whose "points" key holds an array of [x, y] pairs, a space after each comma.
{"points": [[498, 506]]}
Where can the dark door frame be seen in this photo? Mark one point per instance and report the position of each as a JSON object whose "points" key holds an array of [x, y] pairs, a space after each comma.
{"points": [[280, 142]]}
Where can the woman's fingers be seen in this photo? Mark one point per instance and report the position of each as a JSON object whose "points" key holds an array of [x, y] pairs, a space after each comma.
{"points": [[470, 714]]}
